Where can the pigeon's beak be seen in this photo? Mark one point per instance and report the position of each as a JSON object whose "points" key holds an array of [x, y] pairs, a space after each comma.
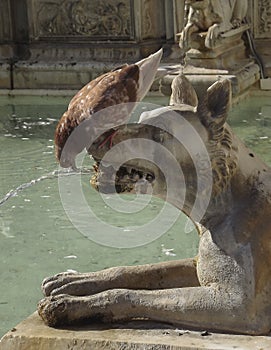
{"points": [[147, 71]]}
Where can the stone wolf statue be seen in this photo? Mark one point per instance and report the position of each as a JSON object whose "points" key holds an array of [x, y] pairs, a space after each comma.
{"points": [[213, 17], [227, 288]]}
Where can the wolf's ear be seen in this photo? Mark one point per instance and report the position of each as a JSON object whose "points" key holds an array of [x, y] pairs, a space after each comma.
{"points": [[183, 92], [217, 102]]}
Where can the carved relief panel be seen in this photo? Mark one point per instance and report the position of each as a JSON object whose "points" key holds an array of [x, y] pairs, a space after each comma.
{"points": [[152, 19], [95, 19], [261, 18]]}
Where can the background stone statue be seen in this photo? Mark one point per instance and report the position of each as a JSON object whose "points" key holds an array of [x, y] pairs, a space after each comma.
{"points": [[211, 16]]}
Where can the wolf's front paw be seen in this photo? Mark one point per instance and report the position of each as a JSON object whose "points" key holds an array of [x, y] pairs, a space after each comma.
{"points": [[51, 285], [54, 310], [77, 284], [65, 309]]}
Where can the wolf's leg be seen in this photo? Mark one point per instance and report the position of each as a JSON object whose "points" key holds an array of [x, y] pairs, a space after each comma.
{"points": [[210, 308], [171, 274]]}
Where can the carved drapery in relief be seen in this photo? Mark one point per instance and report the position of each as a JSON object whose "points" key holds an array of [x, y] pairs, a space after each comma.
{"points": [[261, 18], [152, 19], [265, 17], [147, 18], [95, 18]]}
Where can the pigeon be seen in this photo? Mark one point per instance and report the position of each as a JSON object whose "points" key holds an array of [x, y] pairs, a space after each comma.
{"points": [[120, 87]]}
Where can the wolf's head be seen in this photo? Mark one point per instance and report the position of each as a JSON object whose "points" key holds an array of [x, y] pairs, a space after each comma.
{"points": [[182, 153]]}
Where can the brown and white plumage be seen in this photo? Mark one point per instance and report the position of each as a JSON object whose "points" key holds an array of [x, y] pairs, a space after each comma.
{"points": [[130, 83]]}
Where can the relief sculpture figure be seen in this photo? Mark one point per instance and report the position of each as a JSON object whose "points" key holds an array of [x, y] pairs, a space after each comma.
{"points": [[211, 176], [92, 18], [211, 16]]}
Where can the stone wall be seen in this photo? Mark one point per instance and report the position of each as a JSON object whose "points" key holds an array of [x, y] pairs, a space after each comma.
{"points": [[95, 30], [77, 40]]}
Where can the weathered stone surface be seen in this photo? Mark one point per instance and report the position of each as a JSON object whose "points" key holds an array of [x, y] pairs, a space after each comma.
{"points": [[265, 84], [5, 81], [66, 76], [32, 334], [5, 21]]}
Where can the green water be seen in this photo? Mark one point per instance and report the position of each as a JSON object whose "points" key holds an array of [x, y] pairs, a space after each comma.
{"points": [[37, 239]]}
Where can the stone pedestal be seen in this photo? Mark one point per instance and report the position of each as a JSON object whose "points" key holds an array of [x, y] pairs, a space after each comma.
{"points": [[32, 334], [228, 59], [242, 77], [201, 78], [228, 53]]}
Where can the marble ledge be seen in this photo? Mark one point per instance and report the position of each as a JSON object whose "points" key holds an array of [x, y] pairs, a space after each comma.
{"points": [[33, 334]]}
